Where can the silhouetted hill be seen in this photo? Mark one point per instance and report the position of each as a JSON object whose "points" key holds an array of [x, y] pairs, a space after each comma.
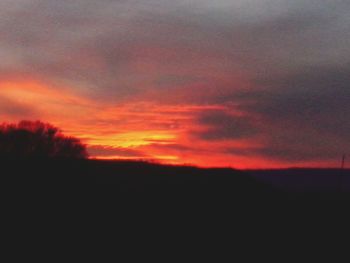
{"points": [[142, 179], [303, 180], [159, 198], [129, 177]]}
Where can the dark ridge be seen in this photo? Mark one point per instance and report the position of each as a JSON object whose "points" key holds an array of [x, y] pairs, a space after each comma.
{"points": [[147, 196], [132, 178]]}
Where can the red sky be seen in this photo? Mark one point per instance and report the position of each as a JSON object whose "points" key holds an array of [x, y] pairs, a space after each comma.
{"points": [[139, 129], [247, 85]]}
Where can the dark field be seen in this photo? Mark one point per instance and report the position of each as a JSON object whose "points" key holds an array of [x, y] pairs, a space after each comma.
{"points": [[140, 179], [172, 201]]}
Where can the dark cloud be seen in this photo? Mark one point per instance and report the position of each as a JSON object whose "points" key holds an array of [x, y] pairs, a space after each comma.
{"points": [[116, 49], [304, 115], [300, 148], [316, 99], [294, 145], [221, 125]]}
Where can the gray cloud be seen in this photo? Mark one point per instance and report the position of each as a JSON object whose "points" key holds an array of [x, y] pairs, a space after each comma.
{"points": [[294, 146], [316, 99], [304, 115], [221, 125], [293, 55], [101, 47]]}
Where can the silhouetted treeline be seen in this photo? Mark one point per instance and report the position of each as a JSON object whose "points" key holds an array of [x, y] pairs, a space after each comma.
{"points": [[29, 139]]}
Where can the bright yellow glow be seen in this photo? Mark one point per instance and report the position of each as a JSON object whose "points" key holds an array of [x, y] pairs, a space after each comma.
{"points": [[155, 157], [166, 157], [116, 157], [133, 139]]}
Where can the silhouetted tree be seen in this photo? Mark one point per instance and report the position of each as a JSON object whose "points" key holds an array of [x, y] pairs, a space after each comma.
{"points": [[29, 139]]}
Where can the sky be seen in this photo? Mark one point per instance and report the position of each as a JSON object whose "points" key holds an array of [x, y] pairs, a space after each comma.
{"points": [[239, 83]]}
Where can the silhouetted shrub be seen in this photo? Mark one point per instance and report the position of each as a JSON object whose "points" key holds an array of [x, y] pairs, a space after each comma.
{"points": [[29, 139]]}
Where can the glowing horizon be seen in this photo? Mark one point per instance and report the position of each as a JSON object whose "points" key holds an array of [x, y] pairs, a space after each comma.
{"points": [[244, 84], [139, 140]]}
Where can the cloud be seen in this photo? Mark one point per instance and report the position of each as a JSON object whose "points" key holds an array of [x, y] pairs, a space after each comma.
{"points": [[293, 146], [303, 115], [14, 109], [314, 100], [118, 49], [278, 69], [221, 125]]}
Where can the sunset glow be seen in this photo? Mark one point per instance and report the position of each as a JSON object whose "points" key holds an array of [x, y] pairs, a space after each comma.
{"points": [[183, 83]]}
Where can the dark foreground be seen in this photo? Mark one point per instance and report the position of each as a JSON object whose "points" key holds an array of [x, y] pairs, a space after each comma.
{"points": [[179, 207], [142, 180]]}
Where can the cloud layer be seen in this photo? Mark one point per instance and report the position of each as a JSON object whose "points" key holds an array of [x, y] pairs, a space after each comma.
{"points": [[253, 82]]}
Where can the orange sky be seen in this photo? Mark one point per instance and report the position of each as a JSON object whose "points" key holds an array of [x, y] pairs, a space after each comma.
{"points": [[136, 130], [246, 84]]}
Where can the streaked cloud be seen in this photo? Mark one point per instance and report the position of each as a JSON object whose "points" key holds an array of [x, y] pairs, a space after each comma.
{"points": [[260, 81]]}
